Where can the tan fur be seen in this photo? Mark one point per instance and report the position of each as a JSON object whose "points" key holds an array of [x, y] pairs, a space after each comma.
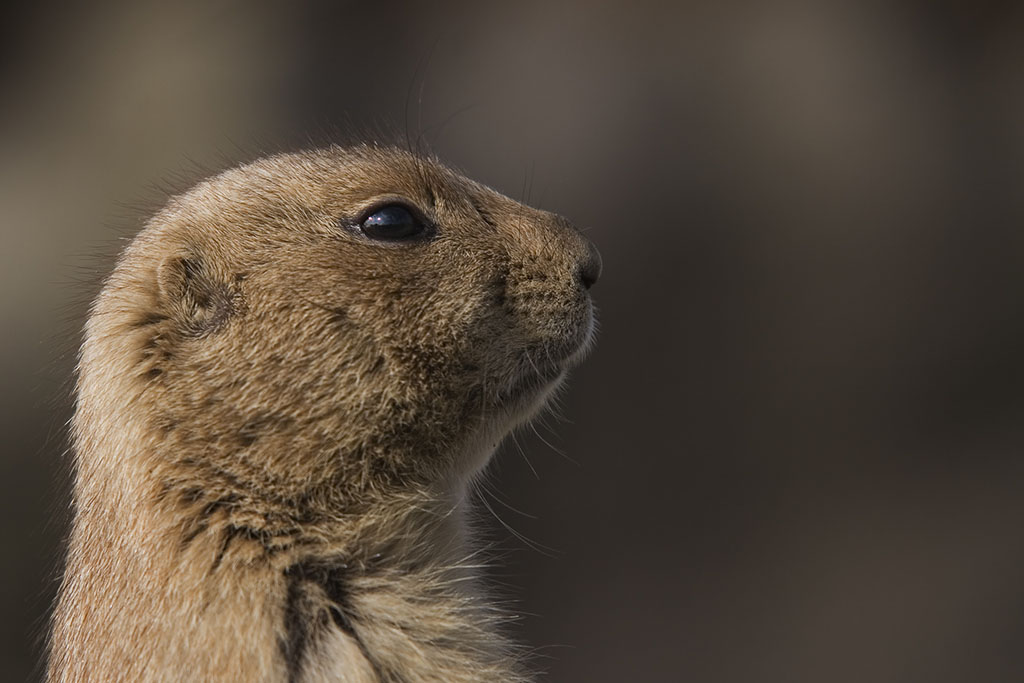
{"points": [[278, 418]]}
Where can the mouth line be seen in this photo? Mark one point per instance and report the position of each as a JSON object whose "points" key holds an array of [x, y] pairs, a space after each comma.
{"points": [[525, 388], [543, 365], [567, 353]]}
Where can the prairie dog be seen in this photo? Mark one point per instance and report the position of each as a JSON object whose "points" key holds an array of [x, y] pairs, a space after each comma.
{"points": [[285, 390]]}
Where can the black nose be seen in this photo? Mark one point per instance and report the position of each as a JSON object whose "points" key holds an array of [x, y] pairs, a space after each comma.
{"points": [[590, 270]]}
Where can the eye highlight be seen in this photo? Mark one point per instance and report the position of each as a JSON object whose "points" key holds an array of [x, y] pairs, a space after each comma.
{"points": [[393, 223]]}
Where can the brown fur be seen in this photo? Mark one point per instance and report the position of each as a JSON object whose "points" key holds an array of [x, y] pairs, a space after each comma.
{"points": [[278, 418]]}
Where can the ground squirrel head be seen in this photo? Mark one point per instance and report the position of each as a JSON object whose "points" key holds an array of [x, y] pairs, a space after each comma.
{"points": [[322, 326]]}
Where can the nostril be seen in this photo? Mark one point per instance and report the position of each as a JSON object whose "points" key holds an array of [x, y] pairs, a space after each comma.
{"points": [[590, 270], [588, 275]]}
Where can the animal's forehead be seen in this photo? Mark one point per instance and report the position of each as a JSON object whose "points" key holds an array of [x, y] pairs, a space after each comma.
{"points": [[339, 183], [340, 178]]}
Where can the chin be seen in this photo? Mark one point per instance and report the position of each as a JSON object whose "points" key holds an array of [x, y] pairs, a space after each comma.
{"points": [[515, 409], [524, 395]]}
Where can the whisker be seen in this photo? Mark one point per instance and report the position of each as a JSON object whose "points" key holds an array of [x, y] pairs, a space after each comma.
{"points": [[538, 547], [515, 440], [497, 499]]}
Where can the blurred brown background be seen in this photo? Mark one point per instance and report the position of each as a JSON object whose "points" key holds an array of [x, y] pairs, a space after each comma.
{"points": [[798, 444]]}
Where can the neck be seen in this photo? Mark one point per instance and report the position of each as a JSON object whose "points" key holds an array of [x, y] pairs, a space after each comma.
{"points": [[201, 590]]}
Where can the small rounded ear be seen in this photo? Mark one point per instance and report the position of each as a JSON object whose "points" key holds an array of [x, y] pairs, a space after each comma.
{"points": [[195, 299], [174, 275]]}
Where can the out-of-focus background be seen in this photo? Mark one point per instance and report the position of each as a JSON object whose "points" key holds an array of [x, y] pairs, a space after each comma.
{"points": [[796, 453]]}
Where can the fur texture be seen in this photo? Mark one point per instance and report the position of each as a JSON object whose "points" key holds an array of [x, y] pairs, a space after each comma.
{"points": [[278, 418]]}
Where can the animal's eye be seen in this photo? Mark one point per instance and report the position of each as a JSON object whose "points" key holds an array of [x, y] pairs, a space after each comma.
{"points": [[392, 223]]}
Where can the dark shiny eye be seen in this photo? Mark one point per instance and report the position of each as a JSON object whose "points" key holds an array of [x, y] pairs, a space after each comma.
{"points": [[393, 222]]}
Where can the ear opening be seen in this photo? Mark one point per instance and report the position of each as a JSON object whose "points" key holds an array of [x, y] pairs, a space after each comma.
{"points": [[200, 302]]}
